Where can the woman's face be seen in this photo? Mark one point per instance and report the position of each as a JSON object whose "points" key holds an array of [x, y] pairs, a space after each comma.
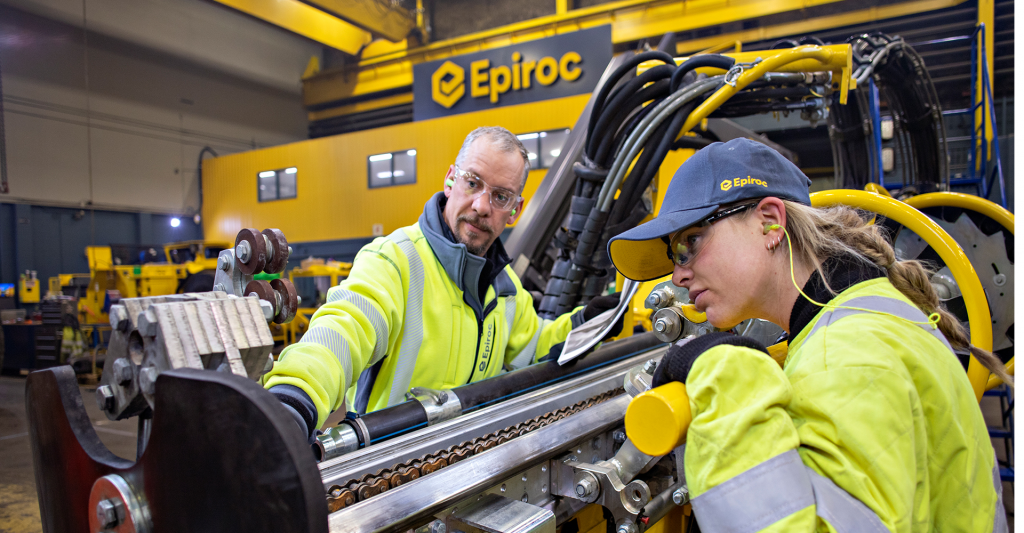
{"points": [[727, 277]]}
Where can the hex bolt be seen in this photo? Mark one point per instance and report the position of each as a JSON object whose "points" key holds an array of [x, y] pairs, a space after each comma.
{"points": [[680, 496], [654, 300], [110, 513], [147, 380], [224, 264], [585, 487], [242, 251], [437, 526], [123, 371], [661, 325], [650, 366], [999, 279], [105, 398], [627, 527], [619, 436]]}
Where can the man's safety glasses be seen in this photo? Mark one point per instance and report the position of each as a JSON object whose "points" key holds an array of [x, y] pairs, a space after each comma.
{"points": [[471, 185], [683, 246]]}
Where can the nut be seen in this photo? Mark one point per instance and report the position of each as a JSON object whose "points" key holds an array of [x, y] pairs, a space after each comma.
{"points": [[680, 496], [147, 379], [110, 513], [242, 251], [123, 372], [105, 398]]}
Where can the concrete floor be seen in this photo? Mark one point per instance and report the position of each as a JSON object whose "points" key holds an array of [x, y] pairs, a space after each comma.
{"points": [[19, 510], [19, 507]]}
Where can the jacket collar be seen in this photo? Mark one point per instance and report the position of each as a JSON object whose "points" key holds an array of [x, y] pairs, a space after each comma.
{"points": [[842, 273], [472, 274]]}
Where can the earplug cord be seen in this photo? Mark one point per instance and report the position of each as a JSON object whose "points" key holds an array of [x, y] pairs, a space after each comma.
{"points": [[933, 319]]}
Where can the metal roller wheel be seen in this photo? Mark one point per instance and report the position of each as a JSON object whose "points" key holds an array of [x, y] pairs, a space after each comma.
{"points": [[989, 248], [279, 252], [289, 300], [264, 291], [250, 252]]}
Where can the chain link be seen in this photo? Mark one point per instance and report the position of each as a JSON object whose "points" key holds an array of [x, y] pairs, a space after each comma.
{"points": [[370, 485]]}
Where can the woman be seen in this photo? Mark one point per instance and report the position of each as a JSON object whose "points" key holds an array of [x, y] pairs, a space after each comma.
{"points": [[871, 423]]}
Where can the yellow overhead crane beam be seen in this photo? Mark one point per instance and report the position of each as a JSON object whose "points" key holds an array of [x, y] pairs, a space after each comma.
{"points": [[306, 21], [390, 22], [630, 20]]}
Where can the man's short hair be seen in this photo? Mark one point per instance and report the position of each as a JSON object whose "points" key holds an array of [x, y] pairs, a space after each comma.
{"points": [[502, 139]]}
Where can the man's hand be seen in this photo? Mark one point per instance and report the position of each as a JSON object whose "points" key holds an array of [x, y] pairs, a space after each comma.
{"points": [[601, 304], [676, 364]]}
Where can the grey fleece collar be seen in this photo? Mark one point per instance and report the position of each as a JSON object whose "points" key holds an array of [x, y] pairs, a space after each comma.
{"points": [[462, 267]]}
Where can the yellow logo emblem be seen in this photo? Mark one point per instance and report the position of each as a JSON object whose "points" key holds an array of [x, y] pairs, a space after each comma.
{"points": [[448, 84], [742, 182]]}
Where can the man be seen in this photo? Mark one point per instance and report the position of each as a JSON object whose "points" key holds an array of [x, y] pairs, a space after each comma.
{"points": [[432, 305]]}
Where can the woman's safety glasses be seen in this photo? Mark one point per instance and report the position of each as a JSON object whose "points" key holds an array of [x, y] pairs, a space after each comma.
{"points": [[471, 185], [686, 244]]}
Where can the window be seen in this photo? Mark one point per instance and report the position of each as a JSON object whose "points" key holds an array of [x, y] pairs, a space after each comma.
{"points": [[395, 168], [277, 184], [544, 146]]}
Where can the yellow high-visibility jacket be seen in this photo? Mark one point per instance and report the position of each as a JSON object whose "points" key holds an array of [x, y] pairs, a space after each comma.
{"points": [[410, 310], [871, 425]]}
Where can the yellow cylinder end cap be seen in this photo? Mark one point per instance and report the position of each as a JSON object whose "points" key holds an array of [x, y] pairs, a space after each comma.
{"points": [[657, 420]]}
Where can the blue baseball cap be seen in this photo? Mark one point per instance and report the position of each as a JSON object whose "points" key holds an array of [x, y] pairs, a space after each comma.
{"points": [[717, 175]]}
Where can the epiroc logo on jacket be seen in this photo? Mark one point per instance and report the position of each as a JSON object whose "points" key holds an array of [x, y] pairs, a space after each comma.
{"points": [[563, 65]]}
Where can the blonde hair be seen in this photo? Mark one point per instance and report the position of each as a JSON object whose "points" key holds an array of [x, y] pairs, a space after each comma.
{"points": [[818, 233]]}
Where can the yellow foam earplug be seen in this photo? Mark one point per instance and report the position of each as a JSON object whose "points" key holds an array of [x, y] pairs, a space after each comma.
{"points": [[450, 183], [769, 227]]}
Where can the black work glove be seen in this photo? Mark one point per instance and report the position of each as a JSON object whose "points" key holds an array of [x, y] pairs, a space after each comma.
{"points": [[553, 353], [676, 364], [300, 406], [601, 304]]}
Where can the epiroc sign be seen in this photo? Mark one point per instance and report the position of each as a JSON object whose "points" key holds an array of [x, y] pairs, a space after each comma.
{"points": [[563, 65]]}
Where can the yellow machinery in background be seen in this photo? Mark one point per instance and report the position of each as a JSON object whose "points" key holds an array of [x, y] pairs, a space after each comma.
{"points": [[333, 271], [130, 281]]}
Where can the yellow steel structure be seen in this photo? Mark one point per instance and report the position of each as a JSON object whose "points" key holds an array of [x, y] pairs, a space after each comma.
{"points": [[948, 250], [630, 20], [964, 201], [306, 21], [333, 200], [973, 203], [810, 25], [389, 21]]}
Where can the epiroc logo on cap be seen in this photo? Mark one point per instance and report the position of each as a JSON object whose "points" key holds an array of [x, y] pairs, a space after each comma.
{"points": [[554, 67], [742, 182], [447, 84]]}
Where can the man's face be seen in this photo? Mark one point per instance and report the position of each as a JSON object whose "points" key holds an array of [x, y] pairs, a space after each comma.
{"points": [[474, 221]]}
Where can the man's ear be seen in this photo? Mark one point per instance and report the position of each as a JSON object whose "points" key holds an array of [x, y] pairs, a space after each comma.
{"points": [[449, 181], [515, 213]]}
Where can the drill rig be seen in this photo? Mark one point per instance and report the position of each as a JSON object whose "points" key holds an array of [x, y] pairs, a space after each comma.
{"points": [[532, 450]]}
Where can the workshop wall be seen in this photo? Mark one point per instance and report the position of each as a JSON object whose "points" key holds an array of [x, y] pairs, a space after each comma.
{"points": [[52, 240], [333, 201], [97, 121]]}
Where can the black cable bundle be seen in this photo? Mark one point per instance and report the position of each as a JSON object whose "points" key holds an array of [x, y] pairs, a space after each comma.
{"points": [[906, 89]]}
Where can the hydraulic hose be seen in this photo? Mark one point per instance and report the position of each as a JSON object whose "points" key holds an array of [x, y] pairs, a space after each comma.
{"points": [[626, 67], [695, 62], [408, 416]]}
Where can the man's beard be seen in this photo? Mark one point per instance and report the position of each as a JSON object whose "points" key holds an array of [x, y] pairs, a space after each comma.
{"points": [[473, 249]]}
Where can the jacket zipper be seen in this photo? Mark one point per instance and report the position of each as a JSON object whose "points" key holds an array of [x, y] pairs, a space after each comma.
{"points": [[479, 335]]}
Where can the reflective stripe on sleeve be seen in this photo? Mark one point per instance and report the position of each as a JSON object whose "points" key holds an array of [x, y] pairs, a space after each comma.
{"points": [[380, 327], [333, 341], [510, 313], [775, 489], [529, 353], [882, 304], [999, 524], [412, 327]]}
